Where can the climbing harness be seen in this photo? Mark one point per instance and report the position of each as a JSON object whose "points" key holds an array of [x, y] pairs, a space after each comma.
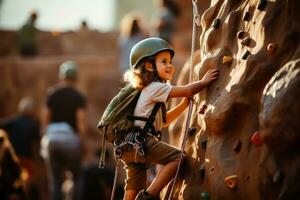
{"points": [[196, 21], [135, 139]]}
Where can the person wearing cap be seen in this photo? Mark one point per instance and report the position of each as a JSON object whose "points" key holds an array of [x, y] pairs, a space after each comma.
{"points": [[151, 70], [64, 127]]}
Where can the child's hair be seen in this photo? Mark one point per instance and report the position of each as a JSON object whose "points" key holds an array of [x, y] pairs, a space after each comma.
{"points": [[140, 77]]}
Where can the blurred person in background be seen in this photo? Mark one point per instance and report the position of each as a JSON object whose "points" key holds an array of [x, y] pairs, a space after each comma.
{"points": [[164, 20], [11, 184], [64, 127], [23, 132], [84, 26], [131, 32], [98, 182], [27, 36]]}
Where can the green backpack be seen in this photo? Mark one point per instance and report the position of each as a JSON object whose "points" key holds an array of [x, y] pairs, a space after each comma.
{"points": [[114, 121], [115, 117]]}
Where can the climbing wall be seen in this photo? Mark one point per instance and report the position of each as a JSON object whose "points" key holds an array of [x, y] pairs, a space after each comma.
{"points": [[246, 144]]}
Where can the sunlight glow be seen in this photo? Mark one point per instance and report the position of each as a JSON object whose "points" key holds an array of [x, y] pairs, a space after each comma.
{"points": [[59, 15]]}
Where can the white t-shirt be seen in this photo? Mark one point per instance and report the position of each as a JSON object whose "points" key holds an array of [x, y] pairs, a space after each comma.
{"points": [[154, 92]]}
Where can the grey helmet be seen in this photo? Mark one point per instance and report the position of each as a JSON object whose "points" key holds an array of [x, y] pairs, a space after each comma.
{"points": [[147, 48]]}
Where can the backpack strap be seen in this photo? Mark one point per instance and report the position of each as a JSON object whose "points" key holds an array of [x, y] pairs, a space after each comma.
{"points": [[149, 121]]}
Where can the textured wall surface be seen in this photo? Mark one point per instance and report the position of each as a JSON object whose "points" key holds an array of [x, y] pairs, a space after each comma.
{"points": [[247, 141]]}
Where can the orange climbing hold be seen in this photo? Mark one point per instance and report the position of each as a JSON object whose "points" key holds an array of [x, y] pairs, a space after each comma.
{"points": [[256, 138], [232, 181], [227, 59], [272, 48]]}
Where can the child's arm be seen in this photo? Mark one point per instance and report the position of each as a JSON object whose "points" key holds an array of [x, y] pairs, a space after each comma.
{"points": [[188, 91], [175, 112], [195, 87]]}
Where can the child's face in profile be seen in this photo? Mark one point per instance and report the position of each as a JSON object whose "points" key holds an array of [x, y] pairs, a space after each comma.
{"points": [[164, 65]]}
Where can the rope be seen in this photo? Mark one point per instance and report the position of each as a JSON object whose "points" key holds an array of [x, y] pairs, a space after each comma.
{"points": [[113, 192], [103, 152], [196, 21]]}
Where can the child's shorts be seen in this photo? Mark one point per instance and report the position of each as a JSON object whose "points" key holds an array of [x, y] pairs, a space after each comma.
{"points": [[157, 152]]}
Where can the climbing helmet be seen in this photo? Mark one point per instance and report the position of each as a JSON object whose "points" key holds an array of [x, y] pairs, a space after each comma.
{"points": [[147, 48]]}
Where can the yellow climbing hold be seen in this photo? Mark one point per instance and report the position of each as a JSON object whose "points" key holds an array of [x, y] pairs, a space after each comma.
{"points": [[231, 181], [227, 59]]}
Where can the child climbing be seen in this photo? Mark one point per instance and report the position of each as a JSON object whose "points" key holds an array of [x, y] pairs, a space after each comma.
{"points": [[151, 69]]}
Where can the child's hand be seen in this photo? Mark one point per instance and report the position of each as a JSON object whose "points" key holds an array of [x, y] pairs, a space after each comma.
{"points": [[210, 76]]}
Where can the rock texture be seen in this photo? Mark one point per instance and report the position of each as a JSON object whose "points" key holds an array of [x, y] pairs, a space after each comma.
{"points": [[247, 141]]}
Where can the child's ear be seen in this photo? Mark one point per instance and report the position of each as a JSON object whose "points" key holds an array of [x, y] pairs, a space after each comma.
{"points": [[148, 66]]}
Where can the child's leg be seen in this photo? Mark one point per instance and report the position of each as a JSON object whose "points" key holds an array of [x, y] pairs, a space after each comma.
{"points": [[164, 176], [130, 194], [136, 176]]}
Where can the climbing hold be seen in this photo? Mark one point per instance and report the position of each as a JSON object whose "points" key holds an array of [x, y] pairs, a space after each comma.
{"points": [[204, 144], [256, 138], [237, 146], [272, 48], [204, 196], [246, 16], [231, 181], [216, 23], [246, 41], [202, 171], [202, 109], [278, 177], [227, 59], [241, 34], [261, 5], [192, 131], [246, 54]]}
